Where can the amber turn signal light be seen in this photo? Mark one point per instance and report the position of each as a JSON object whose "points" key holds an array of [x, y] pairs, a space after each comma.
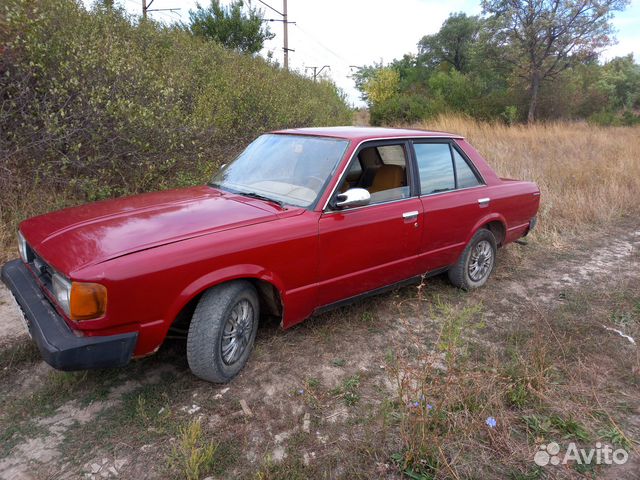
{"points": [[87, 300]]}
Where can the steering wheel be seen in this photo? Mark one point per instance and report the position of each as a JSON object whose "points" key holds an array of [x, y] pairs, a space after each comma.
{"points": [[311, 179]]}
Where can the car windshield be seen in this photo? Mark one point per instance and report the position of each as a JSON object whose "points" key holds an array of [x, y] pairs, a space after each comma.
{"points": [[289, 169]]}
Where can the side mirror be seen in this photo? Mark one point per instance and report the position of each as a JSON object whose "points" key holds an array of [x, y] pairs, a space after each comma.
{"points": [[354, 197]]}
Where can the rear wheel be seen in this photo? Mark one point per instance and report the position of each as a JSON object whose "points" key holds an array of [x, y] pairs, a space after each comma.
{"points": [[222, 331], [476, 263]]}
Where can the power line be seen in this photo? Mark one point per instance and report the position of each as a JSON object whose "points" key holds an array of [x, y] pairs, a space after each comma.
{"points": [[316, 72], [337, 55], [146, 5], [285, 22], [269, 6]]}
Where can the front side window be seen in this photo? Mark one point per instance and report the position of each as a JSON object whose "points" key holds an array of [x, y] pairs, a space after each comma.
{"points": [[292, 169], [382, 171], [435, 167]]}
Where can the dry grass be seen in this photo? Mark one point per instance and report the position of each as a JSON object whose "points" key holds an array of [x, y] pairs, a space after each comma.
{"points": [[473, 405], [589, 176]]}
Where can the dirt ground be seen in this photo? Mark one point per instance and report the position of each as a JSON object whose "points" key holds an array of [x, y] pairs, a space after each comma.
{"points": [[309, 402]]}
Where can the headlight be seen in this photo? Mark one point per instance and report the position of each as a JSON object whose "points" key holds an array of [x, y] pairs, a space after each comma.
{"points": [[23, 248], [62, 292], [79, 300]]}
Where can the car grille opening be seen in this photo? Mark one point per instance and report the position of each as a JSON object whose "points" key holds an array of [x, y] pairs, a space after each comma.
{"points": [[42, 269]]}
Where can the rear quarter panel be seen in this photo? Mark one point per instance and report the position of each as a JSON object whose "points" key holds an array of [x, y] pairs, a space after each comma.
{"points": [[513, 202]]}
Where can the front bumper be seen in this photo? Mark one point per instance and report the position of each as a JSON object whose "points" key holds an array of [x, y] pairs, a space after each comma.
{"points": [[59, 346]]}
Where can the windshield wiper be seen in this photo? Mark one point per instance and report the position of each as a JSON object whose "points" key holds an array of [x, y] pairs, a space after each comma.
{"points": [[262, 197]]}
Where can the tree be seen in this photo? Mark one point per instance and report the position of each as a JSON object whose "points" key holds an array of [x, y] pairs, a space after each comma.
{"points": [[231, 26], [542, 38], [363, 75], [621, 82], [382, 86], [453, 44]]}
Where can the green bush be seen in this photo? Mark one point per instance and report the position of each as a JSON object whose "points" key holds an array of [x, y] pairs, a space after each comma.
{"points": [[405, 108], [95, 105], [617, 119]]}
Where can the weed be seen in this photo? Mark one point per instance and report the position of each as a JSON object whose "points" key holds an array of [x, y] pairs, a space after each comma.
{"points": [[569, 428], [313, 383], [14, 433], [289, 469], [535, 474], [390, 357], [529, 371], [425, 467], [622, 318], [538, 427], [193, 456], [367, 316], [339, 362], [519, 394], [348, 390], [454, 322], [18, 353], [611, 433], [586, 469]]}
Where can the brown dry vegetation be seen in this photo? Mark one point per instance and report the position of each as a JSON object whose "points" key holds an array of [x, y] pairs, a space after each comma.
{"points": [[401, 385], [397, 386], [589, 176]]}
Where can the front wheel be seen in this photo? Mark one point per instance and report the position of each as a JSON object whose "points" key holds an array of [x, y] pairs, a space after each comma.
{"points": [[476, 263], [222, 331]]}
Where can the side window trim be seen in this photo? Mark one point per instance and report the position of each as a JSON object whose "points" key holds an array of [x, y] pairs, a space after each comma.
{"points": [[453, 146], [412, 173], [456, 185]]}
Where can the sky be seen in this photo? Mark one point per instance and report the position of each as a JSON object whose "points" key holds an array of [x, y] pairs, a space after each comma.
{"points": [[347, 33]]}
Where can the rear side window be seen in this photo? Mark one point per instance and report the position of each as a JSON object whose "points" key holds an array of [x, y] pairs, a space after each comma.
{"points": [[435, 167], [464, 174]]}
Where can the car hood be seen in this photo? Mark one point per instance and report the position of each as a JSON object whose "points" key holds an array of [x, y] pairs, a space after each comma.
{"points": [[75, 237]]}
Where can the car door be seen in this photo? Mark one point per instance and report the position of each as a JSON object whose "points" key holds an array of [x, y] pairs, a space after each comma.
{"points": [[364, 248], [451, 193]]}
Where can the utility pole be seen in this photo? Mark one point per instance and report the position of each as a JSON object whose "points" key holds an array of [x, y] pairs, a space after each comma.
{"points": [[145, 9], [316, 72], [286, 22], [286, 35]]}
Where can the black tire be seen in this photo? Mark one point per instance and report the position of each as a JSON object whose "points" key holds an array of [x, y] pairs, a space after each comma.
{"points": [[460, 274], [214, 313]]}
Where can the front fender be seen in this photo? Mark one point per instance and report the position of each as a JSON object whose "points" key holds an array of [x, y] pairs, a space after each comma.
{"points": [[218, 277]]}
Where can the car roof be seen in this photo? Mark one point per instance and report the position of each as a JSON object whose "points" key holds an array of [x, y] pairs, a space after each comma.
{"points": [[366, 133]]}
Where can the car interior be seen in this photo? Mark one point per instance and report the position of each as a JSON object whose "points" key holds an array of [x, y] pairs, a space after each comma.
{"points": [[382, 171]]}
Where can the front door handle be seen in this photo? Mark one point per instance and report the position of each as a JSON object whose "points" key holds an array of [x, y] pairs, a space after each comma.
{"points": [[484, 202], [410, 215]]}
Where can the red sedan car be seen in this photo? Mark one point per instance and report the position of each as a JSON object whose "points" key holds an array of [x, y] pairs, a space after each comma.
{"points": [[303, 220]]}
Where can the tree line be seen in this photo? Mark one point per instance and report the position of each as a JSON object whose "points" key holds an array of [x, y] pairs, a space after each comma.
{"points": [[521, 60]]}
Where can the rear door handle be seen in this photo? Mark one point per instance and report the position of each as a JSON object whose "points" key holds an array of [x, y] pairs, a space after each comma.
{"points": [[410, 215], [484, 202]]}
